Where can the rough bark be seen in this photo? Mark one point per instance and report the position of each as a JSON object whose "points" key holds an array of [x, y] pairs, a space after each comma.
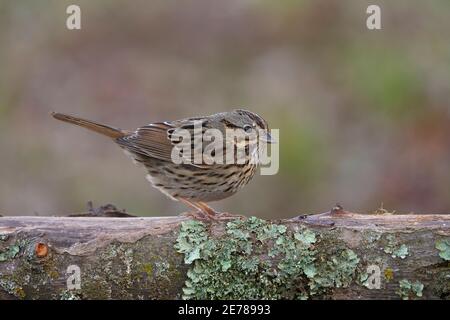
{"points": [[136, 258]]}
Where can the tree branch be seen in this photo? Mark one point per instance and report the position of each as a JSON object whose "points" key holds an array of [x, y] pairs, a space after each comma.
{"points": [[335, 255]]}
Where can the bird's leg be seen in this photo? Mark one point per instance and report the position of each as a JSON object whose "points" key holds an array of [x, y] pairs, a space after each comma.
{"points": [[198, 212], [204, 212], [218, 215], [207, 210]]}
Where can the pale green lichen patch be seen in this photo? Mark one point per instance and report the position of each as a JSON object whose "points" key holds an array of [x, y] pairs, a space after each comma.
{"points": [[336, 272], [256, 259], [307, 237], [395, 250], [408, 290], [400, 252], [193, 238], [9, 253], [372, 236], [363, 279], [443, 245]]}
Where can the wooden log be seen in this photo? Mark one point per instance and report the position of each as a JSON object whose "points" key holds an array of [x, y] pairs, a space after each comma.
{"points": [[336, 255]]}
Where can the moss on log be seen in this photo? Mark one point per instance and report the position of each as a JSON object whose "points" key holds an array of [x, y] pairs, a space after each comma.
{"points": [[337, 255]]}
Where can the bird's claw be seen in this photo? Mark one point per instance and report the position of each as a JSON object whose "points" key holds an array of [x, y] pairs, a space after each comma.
{"points": [[208, 217]]}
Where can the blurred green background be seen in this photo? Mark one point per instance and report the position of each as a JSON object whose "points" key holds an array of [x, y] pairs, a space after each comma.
{"points": [[364, 116]]}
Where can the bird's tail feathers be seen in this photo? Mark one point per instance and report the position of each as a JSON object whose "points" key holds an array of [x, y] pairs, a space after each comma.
{"points": [[91, 125]]}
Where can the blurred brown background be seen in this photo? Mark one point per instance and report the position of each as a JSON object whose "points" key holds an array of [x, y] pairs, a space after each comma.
{"points": [[364, 116]]}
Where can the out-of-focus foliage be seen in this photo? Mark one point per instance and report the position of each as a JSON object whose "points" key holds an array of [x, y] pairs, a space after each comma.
{"points": [[364, 116]]}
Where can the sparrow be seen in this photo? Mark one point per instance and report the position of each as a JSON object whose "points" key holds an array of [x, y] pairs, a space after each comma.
{"points": [[170, 160]]}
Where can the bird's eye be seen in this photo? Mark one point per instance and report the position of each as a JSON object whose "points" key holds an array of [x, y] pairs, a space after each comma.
{"points": [[248, 128]]}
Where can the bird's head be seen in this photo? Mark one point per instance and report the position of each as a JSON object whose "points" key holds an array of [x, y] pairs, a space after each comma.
{"points": [[249, 122]]}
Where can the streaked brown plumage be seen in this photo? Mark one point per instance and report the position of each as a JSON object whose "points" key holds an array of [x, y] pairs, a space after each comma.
{"points": [[192, 183]]}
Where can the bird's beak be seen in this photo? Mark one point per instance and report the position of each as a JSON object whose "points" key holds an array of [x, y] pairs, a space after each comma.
{"points": [[266, 137]]}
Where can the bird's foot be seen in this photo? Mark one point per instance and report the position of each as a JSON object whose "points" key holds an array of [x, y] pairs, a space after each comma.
{"points": [[205, 213], [217, 216], [208, 217], [223, 216], [196, 215]]}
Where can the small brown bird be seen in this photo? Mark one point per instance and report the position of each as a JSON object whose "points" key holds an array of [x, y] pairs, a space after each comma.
{"points": [[190, 182]]}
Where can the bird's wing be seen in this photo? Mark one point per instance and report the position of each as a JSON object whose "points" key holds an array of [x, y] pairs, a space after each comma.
{"points": [[157, 140]]}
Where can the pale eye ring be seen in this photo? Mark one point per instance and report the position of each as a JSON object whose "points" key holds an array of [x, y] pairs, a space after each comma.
{"points": [[248, 128]]}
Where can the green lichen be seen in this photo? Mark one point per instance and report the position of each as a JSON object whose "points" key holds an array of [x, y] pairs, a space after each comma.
{"points": [[119, 268], [388, 274], [256, 259], [9, 253], [12, 288], [161, 268], [441, 284], [192, 240], [408, 290], [443, 245], [307, 237], [366, 280], [113, 272], [147, 268], [400, 252], [372, 236], [336, 272], [12, 250], [70, 295], [394, 249], [363, 279]]}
